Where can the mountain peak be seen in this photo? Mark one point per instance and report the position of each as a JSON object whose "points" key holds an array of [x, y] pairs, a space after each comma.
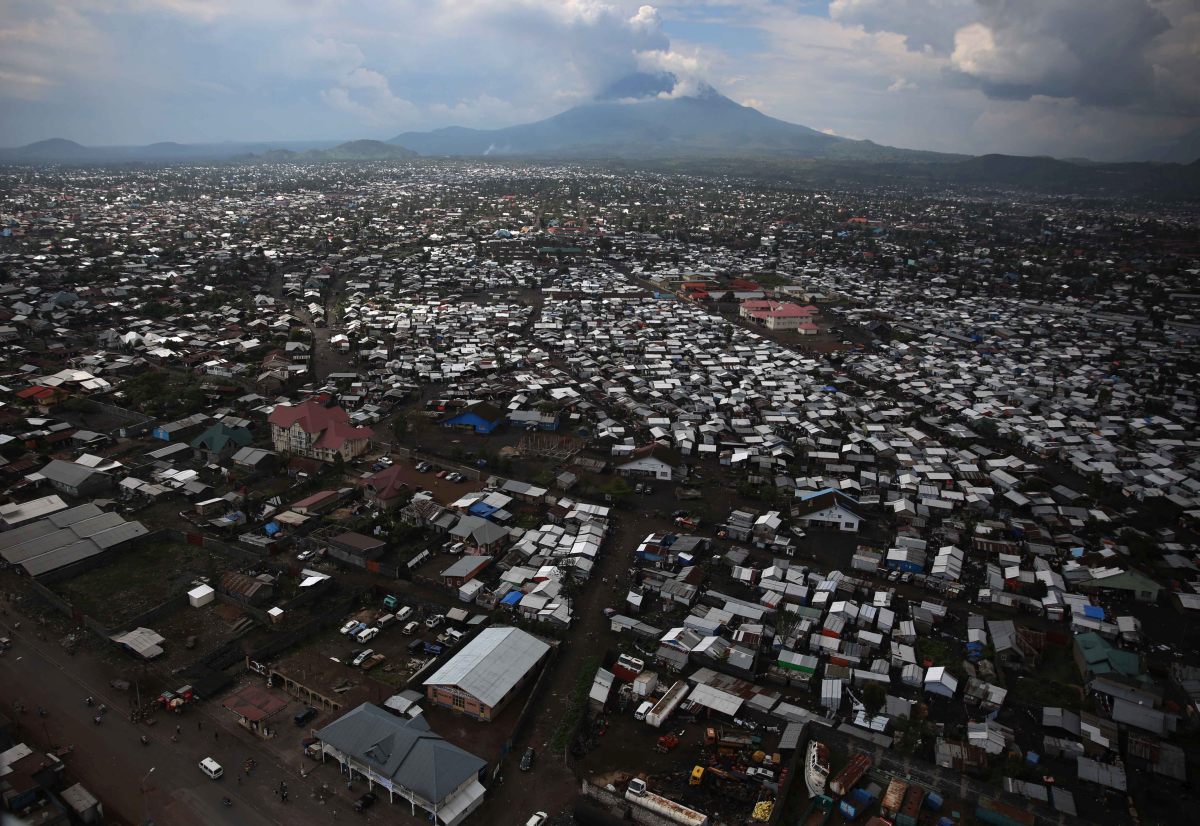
{"points": [[638, 85], [650, 85], [53, 145]]}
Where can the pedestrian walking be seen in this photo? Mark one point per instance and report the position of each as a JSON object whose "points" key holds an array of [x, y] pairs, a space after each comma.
{"points": [[178, 730], [215, 735]]}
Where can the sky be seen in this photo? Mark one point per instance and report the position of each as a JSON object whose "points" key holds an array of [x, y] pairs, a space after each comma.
{"points": [[1105, 79]]}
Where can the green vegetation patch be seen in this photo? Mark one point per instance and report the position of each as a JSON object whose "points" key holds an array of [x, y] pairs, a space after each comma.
{"points": [[575, 706]]}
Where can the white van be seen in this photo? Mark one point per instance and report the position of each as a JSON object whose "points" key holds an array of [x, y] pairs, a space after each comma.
{"points": [[454, 635], [643, 710], [212, 768]]}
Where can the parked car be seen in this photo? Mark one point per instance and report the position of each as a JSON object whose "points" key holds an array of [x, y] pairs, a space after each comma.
{"points": [[304, 716], [361, 658], [304, 555], [411, 628], [456, 477], [441, 474], [345, 629], [404, 612], [367, 634], [536, 819], [423, 467], [527, 759], [358, 626], [365, 802], [434, 621]]}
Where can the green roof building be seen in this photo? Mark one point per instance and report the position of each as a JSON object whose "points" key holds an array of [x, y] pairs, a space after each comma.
{"points": [[1096, 656]]}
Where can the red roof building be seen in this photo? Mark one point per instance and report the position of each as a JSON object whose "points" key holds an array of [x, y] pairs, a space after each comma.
{"points": [[779, 315], [318, 430]]}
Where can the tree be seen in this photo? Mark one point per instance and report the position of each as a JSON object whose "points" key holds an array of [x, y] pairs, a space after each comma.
{"points": [[874, 697], [617, 487]]}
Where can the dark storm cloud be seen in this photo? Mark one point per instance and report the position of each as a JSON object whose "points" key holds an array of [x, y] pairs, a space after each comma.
{"points": [[1098, 52]]}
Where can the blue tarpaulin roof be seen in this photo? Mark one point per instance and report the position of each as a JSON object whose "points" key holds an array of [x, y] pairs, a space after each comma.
{"points": [[272, 528], [512, 597], [1093, 612], [482, 509]]}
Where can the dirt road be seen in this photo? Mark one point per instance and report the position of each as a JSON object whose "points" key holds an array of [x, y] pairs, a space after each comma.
{"points": [[552, 786], [110, 760]]}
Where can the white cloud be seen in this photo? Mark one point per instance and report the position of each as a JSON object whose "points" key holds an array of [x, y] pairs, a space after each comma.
{"points": [[367, 95], [954, 75], [1017, 62], [925, 24]]}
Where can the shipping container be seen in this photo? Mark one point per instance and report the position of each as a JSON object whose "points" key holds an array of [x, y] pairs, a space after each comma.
{"points": [[910, 809], [855, 804], [848, 777], [997, 813], [893, 797]]}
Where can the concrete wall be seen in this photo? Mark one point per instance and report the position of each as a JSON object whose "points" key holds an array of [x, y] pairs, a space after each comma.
{"points": [[619, 805]]}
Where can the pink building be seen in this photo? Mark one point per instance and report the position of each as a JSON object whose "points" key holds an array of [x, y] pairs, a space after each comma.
{"points": [[780, 315]]}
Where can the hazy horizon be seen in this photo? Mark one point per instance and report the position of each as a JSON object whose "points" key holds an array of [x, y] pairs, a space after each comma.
{"points": [[1105, 79]]}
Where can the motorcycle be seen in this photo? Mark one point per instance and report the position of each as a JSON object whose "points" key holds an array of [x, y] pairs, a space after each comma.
{"points": [[145, 740], [96, 719], [226, 802], [89, 702]]}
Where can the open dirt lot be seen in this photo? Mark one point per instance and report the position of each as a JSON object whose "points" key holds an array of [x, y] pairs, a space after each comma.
{"points": [[138, 578]]}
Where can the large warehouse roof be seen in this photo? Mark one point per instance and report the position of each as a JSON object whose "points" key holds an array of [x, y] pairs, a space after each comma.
{"points": [[491, 664], [65, 538]]}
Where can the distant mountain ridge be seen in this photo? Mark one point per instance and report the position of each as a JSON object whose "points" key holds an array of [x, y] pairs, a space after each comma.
{"points": [[364, 150], [638, 117], [650, 120], [60, 150]]}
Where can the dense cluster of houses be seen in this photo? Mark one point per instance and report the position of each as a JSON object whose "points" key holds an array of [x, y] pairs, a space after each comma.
{"points": [[1001, 410]]}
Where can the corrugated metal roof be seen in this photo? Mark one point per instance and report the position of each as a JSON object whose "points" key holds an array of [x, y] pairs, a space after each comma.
{"points": [[403, 751], [491, 664], [791, 736], [1103, 773], [716, 699], [61, 557]]}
